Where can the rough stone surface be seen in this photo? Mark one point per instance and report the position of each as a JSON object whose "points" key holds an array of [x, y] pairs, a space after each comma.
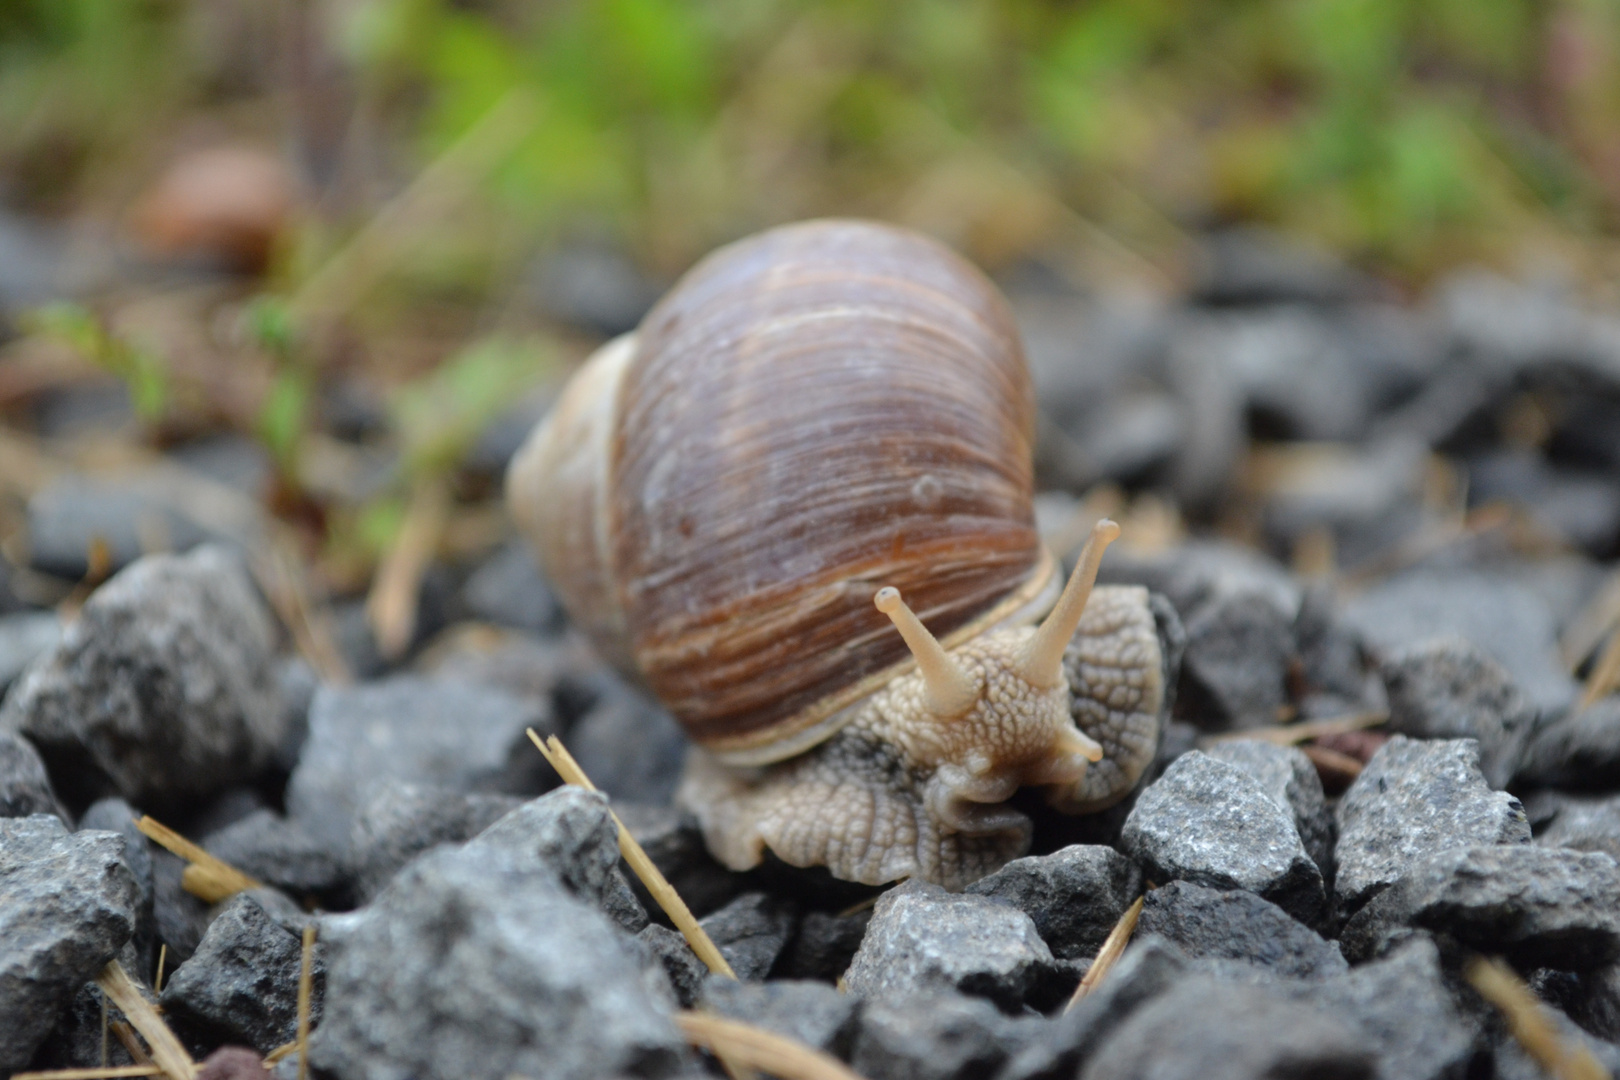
{"points": [[24, 786], [672, 840], [1539, 907], [668, 950], [1412, 799], [1586, 825], [474, 965], [751, 932], [1205, 1029], [421, 731], [67, 906], [1214, 824], [24, 638], [1288, 776], [811, 1012], [824, 946], [117, 816], [573, 834], [1579, 751], [1074, 895], [922, 938], [936, 1036], [282, 853], [1449, 689], [242, 982], [162, 690], [1406, 1015], [628, 746], [1236, 925], [400, 821], [1238, 652]]}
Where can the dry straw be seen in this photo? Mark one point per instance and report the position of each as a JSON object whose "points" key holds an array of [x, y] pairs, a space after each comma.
{"points": [[1112, 949], [168, 1054], [1530, 1024], [207, 878]]}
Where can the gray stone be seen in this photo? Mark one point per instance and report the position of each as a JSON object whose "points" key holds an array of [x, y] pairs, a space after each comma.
{"points": [[751, 932], [67, 906], [1238, 653], [814, 1013], [24, 786], [1213, 824], [1252, 264], [1447, 688], [1363, 496], [672, 840], [1579, 751], [1288, 776], [1074, 895], [1597, 1005], [1586, 825], [163, 690], [1412, 799], [24, 638], [922, 938], [1149, 968], [936, 1036], [1510, 1060], [400, 821], [1206, 1029], [1199, 572], [629, 747], [475, 965], [1507, 620], [527, 667], [1539, 907], [1236, 925], [421, 731], [129, 515], [669, 951], [180, 918], [824, 946], [1581, 506], [282, 853], [241, 984], [509, 590], [117, 816], [1406, 1015], [571, 832]]}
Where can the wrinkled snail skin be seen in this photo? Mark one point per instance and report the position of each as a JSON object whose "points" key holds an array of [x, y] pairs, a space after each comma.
{"points": [[819, 429]]}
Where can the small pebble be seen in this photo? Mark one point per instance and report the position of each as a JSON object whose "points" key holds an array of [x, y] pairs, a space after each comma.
{"points": [[1579, 751], [813, 1013], [25, 788], [1236, 925], [936, 1035], [751, 932], [1293, 783], [1448, 688], [1074, 896]]}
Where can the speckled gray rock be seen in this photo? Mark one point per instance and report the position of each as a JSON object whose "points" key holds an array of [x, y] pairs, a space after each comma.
{"points": [[1288, 776], [814, 1013], [1074, 895], [116, 815], [1212, 823], [922, 938], [67, 905], [1507, 620], [1237, 925], [241, 985], [422, 731], [162, 690], [824, 946], [24, 638], [629, 746], [1586, 825], [474, 966], [24, 786], [667, 950], [674, 842], [280, 852], [1539, 907], [1238, 652], [1579, 751], [751, 932], [572, 833], [400, 821], [1448, 688], [1406, 1014], [936, 1036], [1414, 798], [1206, 1029]]}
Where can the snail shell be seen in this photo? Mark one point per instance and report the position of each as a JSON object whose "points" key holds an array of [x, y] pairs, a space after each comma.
{"points": [[812, 414]]}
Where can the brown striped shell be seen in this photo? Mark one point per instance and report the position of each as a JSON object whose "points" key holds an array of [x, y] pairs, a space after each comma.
{"points": [[811, 413]]}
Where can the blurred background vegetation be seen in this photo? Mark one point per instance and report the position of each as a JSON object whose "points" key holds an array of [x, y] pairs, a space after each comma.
{"points": [[264, 213]]}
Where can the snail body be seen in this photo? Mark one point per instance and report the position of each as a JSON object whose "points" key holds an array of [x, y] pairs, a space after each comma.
{"points": [[731, 503]]}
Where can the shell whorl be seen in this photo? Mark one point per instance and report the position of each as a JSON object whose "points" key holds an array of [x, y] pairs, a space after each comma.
{"points": [[811, 413]]}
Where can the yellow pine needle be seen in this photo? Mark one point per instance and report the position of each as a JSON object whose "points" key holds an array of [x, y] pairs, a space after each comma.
{"points": [[1112, 949], [207, 878], [660, 888], [750, 1047], [167, 1052], [306, 983], [1530, 1024], [157, 979], [1290, 734], [89, 1074]]}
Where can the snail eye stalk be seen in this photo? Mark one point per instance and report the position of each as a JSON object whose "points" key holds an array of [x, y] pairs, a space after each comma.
{"points": [[950, 691], [1042, 662]]}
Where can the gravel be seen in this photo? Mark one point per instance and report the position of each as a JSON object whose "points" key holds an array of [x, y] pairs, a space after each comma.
{"points": [[751, 932], [400, 821], [1074, 895], [67, 906], [1288, 776], [811, 1012], [1579, 751], [1415, 798], [1234, 925], [1214, 824], [1586, 825], [936, 1036], [1448, 688], [25, 788]]}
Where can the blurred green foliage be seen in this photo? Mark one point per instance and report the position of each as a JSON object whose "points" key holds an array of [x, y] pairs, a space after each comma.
{"points": [[142, 369], [1410, 133]]}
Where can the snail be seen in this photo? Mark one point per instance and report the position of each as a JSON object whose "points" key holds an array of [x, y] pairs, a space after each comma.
{"points": [[821, 436]]}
